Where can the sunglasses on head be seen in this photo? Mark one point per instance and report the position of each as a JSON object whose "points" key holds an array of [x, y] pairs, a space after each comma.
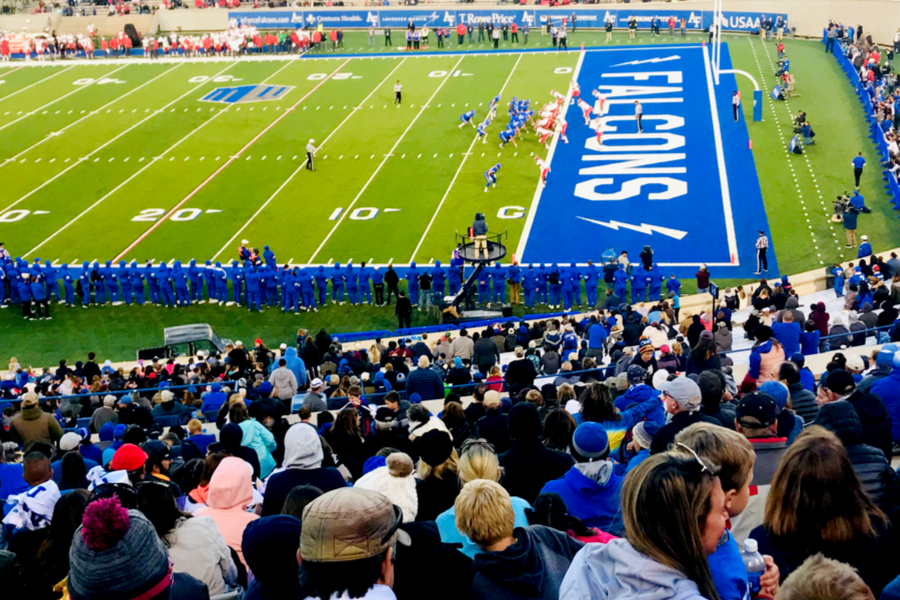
{"points": [[704, 467]]}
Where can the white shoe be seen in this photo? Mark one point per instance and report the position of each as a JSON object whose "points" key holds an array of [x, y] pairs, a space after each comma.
{"points": [[229, 304]]}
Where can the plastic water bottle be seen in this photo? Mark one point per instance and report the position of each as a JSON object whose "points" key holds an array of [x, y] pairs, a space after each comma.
{"points": [[755, 563]]}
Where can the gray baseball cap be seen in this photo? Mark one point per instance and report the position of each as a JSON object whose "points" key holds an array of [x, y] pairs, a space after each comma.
{"points": [[350, 524], [684, 391]]}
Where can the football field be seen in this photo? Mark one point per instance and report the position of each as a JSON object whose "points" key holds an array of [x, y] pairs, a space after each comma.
{"points": [[183, 159], [141, 162]]}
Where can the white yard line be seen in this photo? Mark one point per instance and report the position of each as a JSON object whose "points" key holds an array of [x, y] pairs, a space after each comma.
{"points": [[60, 72], [63, 97], [458, 171], [104, 145], [303, 164], [88, 115], [532, 210], [720, 160], [230, 160], [386, 157]]}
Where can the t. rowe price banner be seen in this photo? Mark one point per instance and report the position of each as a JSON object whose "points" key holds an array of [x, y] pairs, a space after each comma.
{"points": [[586, 18]]}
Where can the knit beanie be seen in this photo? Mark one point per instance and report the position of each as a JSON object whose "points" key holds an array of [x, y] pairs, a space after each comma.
{"points": [[524, 423], [778, 391], [590, 440], [116, 554], [434, 447], [643, 433]]}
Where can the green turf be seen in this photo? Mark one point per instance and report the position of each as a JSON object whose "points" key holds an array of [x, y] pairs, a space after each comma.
{"points": [[94, 172]]}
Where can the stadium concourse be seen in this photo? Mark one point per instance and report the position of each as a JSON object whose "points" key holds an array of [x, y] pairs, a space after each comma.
{"points": [[690, 447]]}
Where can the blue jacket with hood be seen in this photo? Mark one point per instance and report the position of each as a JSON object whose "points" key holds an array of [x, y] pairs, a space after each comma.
{"points": [[592, 492], [638, 394], [616, 571], [295, 364]]}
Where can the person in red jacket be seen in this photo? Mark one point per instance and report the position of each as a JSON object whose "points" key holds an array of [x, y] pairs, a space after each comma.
{"points": [[126, 43], [514, 30], [4, 49], [461, 32], [332, 35], [114, 46]]}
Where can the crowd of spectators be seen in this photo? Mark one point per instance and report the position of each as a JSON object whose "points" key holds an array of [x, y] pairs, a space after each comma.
{"points": [[614, 456]]}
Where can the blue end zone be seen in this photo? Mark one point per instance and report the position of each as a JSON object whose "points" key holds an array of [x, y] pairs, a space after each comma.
{"points": [[662, 187], [246, 93]]}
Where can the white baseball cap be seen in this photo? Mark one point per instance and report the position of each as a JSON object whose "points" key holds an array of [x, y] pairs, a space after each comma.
{"points": [[865, 237]]}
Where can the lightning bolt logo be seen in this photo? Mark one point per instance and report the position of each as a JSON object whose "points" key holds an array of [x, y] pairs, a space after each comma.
{"points": [[648, 61], [642, 228]]}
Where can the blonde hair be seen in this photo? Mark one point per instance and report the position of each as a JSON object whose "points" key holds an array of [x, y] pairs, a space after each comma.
{"points": [[194, 426], [484, 512], [478, 462], [492, 399], [676, 348], [725, 447], [423, 362], [820, 577], [426, 471]]}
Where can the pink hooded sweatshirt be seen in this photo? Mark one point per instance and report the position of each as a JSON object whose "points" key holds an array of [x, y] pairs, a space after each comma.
{"points": [[230, 491]]}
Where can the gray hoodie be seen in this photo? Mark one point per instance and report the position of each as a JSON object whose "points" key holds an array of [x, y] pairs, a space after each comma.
{"points": [[284, 382], [616, 571], [302, 448]]}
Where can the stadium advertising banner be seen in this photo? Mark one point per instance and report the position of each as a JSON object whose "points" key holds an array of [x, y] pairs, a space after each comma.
{"points": [[588, 18]]}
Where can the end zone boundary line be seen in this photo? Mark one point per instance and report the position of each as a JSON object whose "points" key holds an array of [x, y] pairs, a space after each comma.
{"points": [[720, 159]]}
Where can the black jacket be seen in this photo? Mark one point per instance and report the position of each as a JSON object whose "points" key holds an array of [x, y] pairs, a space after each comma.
{"points": [[874, 558], [404, 307], [436, 495], [683, 420], [803, 402], [875, 420], [486, 353], [533, 567], [527, 467], [494, 427], [872, 468], [520, 373]]}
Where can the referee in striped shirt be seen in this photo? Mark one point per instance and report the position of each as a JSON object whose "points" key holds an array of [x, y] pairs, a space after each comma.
{"points": [[762, 246]]}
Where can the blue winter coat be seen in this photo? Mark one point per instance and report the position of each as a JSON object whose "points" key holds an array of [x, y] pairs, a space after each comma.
{"points": [[592, 493]]}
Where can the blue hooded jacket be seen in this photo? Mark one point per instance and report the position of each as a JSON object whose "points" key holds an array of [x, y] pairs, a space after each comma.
{"points": [[592, 493], [295, 364], [638, 394]]}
